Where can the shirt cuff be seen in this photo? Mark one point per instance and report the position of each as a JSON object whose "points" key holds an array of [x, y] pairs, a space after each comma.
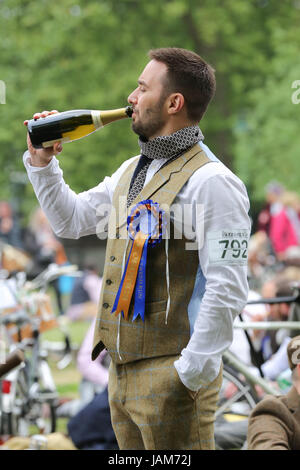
{"points": [[195, 374], [44, 170], [185, 373]]}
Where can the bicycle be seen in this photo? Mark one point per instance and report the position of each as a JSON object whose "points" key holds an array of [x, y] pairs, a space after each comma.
{"points": [[238, 406], [29, 396]]}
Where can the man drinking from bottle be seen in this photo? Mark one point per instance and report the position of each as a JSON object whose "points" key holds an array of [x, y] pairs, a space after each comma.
{"points": [[175, 272]]}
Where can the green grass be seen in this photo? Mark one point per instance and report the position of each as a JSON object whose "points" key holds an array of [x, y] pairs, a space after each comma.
{"points": [[76, 329], [61, 425], [68, 390]]}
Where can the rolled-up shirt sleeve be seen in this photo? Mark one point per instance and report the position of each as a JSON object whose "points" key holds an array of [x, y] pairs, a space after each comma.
{"points": [[224, 265], [72, 215]]}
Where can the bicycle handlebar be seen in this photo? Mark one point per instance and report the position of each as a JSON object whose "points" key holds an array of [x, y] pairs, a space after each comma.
{"points": [[16, 318], [12, 360], [53, 271], [277, 300], [267, 325]]}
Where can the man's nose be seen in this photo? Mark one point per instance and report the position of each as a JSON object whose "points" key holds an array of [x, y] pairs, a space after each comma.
{"points": [[132, 98]]}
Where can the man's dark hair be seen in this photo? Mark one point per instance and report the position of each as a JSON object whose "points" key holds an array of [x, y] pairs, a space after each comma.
{"points": [[284, 289], [189, 75]]}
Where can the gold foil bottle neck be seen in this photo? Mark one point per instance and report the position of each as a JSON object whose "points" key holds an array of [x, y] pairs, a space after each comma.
{"points": [[113, 115]]}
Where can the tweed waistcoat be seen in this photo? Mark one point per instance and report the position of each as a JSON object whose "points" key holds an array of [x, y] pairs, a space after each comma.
{"points": [[157, 335]]}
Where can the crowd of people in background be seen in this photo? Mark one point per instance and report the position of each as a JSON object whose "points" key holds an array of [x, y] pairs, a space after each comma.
{"points": [[274, 271], [277, 236]]}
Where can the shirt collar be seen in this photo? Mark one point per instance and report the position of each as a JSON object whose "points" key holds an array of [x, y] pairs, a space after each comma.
{"points": [[169, 146]]}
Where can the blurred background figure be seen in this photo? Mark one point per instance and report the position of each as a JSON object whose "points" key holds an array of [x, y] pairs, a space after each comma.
{"points": [[40, 238], [85, 295], [271, 347], [276, 243], [291, 203], [9, 226], [240, 345], [13, 258], [94, 374], [91, 428], [41, 243], [285, 224], [273, 192], [260, 257]]}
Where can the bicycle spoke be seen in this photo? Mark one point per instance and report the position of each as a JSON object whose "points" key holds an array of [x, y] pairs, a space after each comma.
{"points": [[232, 400]]}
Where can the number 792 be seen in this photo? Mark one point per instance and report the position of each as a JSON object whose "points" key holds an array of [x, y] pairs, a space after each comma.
{"points": [[237, 247]]}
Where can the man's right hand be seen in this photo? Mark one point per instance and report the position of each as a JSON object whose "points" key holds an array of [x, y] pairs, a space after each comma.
{"points": [[42, 157]]}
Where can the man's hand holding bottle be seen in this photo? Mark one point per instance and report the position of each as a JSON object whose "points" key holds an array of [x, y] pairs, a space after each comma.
{"points": [[42, 157], [45, 136]]}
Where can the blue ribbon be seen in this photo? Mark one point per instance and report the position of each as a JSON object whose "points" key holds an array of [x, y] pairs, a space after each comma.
{"points": [[140, 287]]}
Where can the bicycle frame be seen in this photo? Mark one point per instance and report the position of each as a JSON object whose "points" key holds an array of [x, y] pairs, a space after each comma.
{"points": [[232, 360], [34, 374], [36, 370]]}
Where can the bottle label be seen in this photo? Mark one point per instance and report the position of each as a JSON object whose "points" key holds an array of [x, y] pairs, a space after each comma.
{"points": [[50, 143], [96, 116]]}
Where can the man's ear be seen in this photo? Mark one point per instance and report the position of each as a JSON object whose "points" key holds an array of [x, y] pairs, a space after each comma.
{"points": [[175, 103]]}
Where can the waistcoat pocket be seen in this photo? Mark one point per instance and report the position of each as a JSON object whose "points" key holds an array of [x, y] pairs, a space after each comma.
{"points": [[156, 307]]}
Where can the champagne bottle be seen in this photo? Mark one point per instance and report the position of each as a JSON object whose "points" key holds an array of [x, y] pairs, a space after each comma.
{"points": [[71, 125]]}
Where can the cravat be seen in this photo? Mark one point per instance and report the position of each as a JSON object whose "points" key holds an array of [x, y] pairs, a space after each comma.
{"points": [[163, 147]]}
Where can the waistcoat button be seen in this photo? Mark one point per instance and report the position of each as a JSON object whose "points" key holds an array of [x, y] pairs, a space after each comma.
{"points": [[112, 258], [105, 305], [108, 281]]}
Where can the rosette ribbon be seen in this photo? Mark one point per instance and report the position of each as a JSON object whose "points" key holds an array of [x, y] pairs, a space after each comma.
{"points": [[145, 226]]}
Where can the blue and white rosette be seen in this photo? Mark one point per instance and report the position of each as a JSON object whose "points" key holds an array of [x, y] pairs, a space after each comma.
{"points": [[146, 227]]}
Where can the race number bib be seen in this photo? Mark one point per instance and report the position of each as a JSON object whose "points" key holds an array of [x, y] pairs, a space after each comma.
{"points": [[228, 246]]}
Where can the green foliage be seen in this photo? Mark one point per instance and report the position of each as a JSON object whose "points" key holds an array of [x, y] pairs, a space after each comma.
{"points": [[89, 53], [268, 142]]}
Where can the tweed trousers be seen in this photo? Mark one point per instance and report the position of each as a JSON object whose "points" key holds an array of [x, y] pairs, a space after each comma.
{"points": [[152, 410]]}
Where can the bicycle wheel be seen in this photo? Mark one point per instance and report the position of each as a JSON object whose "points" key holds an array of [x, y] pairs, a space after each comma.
{"points": [[41, 416], [236, 401], [42, 400], [14, 418], [33, 409]]}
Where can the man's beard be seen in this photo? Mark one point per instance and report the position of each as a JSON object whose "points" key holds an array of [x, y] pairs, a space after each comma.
{"points": [[152, 122]]}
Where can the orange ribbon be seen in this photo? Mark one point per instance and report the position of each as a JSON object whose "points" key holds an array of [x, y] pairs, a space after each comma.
{"points": [[131, 274]]}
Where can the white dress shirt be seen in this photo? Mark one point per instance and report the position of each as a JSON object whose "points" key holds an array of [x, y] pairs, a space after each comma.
{"points": [[215, 205]]}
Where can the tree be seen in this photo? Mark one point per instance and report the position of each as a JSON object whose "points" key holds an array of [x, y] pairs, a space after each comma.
{"points": [[89, 53], [267, 140]]}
